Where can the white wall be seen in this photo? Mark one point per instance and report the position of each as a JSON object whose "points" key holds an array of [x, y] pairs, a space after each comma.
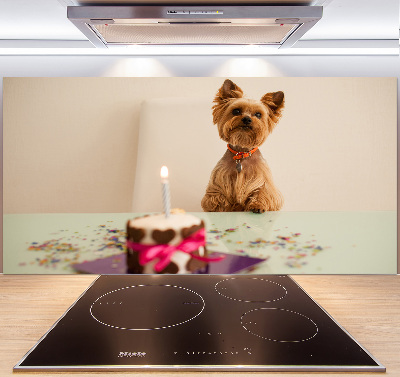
{"points": [[204, 66], [199, 66]]}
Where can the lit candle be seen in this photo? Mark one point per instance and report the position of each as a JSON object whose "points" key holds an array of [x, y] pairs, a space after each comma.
{"points": [[165, 191]]}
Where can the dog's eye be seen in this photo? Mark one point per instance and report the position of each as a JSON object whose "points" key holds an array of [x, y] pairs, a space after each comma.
{"points": [[257, 115], [236, 111]]}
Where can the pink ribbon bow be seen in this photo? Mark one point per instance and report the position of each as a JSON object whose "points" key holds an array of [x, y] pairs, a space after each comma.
{"points": [[164, 252]]}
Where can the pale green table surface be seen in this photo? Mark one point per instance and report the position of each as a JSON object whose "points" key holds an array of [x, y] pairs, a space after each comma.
{"points": [[291, 242]]}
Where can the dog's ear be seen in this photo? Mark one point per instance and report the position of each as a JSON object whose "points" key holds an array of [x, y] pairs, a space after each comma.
{"points": [[276, 102], [229, 90]]}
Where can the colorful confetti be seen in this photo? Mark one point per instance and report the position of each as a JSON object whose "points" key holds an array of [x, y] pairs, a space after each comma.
{"points": [[293, 250], [77, 247], [101, 241]]}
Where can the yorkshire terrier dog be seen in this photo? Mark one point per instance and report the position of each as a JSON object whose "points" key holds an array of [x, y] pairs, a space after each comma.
{"points": [[242, 180]]}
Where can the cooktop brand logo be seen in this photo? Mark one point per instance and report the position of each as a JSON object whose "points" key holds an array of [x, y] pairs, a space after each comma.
{"points": [[131, 354]]}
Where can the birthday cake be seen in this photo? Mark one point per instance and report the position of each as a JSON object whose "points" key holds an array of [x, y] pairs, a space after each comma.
{"points": [[163, 244]]}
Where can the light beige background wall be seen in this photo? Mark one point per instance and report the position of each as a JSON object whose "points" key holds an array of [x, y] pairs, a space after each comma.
{"points": [[70, 144]]}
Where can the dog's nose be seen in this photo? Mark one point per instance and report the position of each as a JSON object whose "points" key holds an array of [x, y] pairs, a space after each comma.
{"points": [[246, 120]]}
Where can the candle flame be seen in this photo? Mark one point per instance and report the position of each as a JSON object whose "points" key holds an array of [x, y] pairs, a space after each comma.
{"points": [[164, 172]]}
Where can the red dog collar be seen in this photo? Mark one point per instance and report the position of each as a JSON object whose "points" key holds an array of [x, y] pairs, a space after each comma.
{"points": [[241, 155]]}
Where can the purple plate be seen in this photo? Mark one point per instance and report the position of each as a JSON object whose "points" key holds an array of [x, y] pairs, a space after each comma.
{"points": [[116, 264]]}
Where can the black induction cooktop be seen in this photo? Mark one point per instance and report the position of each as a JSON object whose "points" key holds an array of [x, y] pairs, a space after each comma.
{"points": [[197, 322]]}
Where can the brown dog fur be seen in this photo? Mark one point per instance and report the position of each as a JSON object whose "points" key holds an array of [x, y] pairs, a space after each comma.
{"points": [[252, 189]]}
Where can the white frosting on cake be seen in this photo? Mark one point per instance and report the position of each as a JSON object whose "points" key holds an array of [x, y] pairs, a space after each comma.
{"points": [[176, 222]]}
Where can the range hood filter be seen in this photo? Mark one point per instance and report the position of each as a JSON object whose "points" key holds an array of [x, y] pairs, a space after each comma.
{"points": [[200, 33]]}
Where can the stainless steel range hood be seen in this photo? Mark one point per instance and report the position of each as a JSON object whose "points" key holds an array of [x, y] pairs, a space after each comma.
{"points": [[116, 26]]}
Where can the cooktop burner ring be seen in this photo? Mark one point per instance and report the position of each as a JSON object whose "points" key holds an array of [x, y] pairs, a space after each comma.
{"points": [[196, 310], [280, 295], [306, 325]]}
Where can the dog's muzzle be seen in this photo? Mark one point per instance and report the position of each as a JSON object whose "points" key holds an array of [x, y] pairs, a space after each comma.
{"points": [[246, 123]]}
